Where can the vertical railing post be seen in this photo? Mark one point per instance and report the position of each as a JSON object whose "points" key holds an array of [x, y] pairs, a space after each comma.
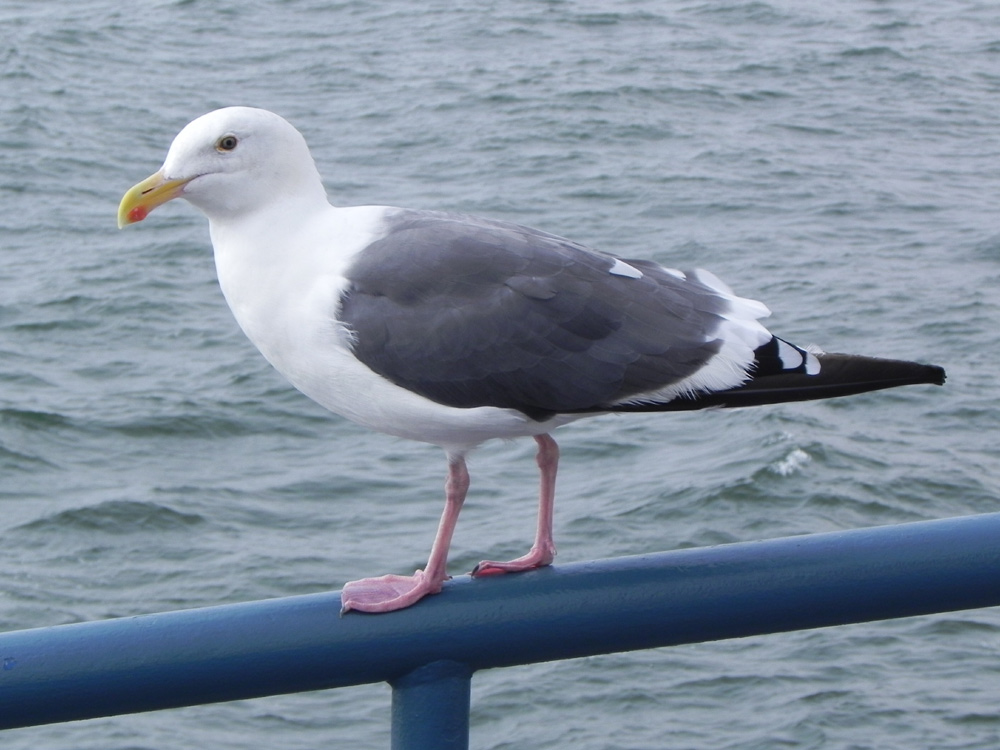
{"points": [[430, 707]]}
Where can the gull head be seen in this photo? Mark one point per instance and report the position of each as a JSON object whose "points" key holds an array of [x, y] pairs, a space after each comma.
{"points": [[230, 163]]}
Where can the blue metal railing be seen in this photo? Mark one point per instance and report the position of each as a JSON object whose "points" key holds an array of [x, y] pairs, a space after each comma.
{"points": [[428, 653]]}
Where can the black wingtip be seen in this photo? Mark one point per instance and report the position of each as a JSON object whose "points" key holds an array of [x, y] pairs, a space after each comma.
{"points": [[879, 373], [937, 376], [839, 375]]}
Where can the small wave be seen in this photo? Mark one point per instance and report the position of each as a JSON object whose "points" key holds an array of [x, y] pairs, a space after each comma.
{"points": [[118, 517], [12, 460], [791, 463], [875, 51], [33, 420], [184, 425]]}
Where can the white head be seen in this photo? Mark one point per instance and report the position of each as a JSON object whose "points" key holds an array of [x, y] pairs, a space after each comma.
{"points": [[228, 163]]}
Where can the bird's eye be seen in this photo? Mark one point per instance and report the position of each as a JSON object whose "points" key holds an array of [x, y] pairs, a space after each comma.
{"points": [[226, 143]]}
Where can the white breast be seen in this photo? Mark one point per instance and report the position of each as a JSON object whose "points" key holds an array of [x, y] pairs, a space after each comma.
{"points": [[284, 292]]}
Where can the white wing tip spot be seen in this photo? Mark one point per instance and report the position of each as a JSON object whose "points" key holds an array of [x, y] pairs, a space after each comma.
{"points": [[812, 364], [792, 358], [621, 268], [789, 355]]}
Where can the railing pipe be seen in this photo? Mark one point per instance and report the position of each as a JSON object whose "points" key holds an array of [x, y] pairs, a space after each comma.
{"points": [[300, 643]]}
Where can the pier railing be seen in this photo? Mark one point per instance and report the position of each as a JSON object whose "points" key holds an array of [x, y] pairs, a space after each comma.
{"points": [[428, 653]]}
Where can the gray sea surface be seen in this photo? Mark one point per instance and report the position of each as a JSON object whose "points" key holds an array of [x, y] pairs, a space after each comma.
{"points": [[839, 161]]}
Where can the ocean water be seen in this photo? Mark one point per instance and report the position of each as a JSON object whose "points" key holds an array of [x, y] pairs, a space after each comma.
{"points": [[839, 161]]}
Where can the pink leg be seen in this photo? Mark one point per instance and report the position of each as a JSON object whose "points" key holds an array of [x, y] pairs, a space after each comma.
{"points": [[544, 549], [392, 592]]}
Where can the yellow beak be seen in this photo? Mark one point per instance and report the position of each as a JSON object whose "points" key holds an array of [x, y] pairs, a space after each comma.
{"points": [[154, 191]]}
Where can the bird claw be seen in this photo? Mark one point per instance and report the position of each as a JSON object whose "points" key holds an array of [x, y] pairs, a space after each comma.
{"points": [[387, 593], [538, 557]]}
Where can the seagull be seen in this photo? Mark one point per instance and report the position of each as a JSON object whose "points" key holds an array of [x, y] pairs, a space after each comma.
{"points": [[453, 329]]}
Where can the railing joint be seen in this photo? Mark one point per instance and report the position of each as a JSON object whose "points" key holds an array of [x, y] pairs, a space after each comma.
{"points": [[430, 707]]}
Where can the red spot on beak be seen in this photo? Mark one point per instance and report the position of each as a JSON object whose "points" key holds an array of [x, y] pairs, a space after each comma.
{"points": [[138, 213]]}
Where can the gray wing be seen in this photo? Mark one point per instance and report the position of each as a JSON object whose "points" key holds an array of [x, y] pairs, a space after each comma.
{"points": [[471, 312]]}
